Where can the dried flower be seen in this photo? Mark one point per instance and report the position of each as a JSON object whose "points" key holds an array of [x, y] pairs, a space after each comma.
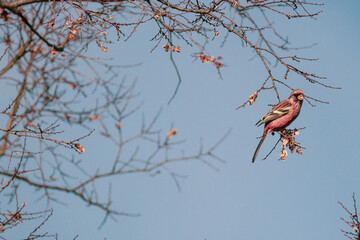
{"points": [[285, 141], [203, 58], [51, 23], [283, 154], [4, 15], [118, 125], [72, 36], [79, 148], [218, 65], [16, 216], [298, 150], [166, 47], [176, 49]]}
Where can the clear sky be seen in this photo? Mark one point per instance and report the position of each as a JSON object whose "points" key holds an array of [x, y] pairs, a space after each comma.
{"points": [[296, 199]]}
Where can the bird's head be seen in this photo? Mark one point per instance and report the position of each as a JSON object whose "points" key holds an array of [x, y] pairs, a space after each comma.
{"points": [[298, 94]]}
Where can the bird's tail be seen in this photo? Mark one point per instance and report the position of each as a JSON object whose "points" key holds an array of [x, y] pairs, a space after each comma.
{"points": [[260, 143]]}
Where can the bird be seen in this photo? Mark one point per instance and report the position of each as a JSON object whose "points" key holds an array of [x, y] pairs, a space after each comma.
{"points": [[280, 116]]}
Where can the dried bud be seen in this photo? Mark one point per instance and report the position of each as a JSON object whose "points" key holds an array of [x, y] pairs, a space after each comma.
{"points": [[252, 98], [118, 125], [73, 30], [72, 36], [54, 52], [171, 133], [292, 146], [298, 150], [4, 15], [95, 117], [104, 49]]}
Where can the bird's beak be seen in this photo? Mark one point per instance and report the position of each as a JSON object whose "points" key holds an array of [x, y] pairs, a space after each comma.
{"points": [[300, 97]]}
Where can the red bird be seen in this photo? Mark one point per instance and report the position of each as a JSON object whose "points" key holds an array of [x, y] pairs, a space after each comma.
{"points": [[280, 116]]}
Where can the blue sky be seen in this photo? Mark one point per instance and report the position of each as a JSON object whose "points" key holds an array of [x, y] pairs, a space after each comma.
{"points": [[295, 199]]}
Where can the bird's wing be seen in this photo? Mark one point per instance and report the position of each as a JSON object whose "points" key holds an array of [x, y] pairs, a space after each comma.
{"points": [[278, 111]]}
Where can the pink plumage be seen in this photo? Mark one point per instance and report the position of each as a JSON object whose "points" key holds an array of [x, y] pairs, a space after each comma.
{"points": [[281, 116]]}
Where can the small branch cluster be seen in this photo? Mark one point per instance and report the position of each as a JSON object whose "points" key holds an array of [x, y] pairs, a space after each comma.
{"points": [[287, 139], [11, 220], [62, 173], [45, 45], [352, 222], [55, 26]]}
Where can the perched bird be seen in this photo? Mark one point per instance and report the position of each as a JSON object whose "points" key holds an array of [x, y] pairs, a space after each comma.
{"points": [[280, 116]]}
